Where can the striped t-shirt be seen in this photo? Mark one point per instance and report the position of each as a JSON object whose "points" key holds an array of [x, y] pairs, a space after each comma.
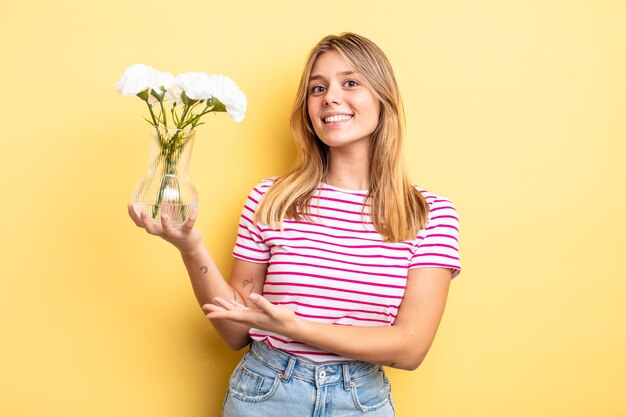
{"points": [[337, 269]]}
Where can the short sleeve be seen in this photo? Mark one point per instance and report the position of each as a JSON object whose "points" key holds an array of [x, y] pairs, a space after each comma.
{"points": [[250, 245], [439, 246]]}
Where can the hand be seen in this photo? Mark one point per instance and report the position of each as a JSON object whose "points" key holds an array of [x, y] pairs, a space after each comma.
{"points": [[185, 237], [267, 316]]}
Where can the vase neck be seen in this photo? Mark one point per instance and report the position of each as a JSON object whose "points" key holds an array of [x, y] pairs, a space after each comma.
{"points": [[171, 151]]}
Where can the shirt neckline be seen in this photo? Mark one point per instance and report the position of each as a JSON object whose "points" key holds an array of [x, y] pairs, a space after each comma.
{"points": [[343, 190]]}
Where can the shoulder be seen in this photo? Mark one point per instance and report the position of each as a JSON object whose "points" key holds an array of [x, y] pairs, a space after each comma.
{"points": [[261, 187], [439, 242], [441, 210], [434, 200]]}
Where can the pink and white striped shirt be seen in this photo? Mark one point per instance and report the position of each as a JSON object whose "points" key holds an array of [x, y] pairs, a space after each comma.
{"points": [[337, 269]]}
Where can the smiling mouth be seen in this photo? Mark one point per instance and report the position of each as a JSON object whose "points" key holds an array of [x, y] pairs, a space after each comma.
{"points": [[337, 118]]}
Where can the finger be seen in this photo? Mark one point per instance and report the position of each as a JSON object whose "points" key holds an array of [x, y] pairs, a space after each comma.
{"points": [[167, 225], [187, 227], [222, 303], [150, 227], [236, 303], [242, 317], [220, 315], [213, 311], [211, 308], [262, 302], [229, 304], [134, 216]]}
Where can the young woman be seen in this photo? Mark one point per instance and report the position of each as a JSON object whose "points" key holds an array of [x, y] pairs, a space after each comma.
{"points": [[341, 265]]}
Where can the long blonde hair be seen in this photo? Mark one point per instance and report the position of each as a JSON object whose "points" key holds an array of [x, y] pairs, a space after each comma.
{"points": [[397, 209]]}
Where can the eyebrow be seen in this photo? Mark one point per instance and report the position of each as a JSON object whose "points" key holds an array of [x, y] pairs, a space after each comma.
{"points": [[319, 76]]}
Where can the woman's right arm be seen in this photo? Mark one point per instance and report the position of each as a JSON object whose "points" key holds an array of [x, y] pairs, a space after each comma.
{"points": [[206, 280]]}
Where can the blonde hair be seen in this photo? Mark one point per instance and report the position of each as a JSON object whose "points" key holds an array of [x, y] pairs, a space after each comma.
{"points": [[397, 209]]}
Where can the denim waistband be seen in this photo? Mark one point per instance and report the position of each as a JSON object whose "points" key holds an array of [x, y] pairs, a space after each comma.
{"points": [[326, 373]]}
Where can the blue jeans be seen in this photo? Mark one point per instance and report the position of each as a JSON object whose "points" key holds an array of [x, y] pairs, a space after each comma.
{"points": [[270, 382]]}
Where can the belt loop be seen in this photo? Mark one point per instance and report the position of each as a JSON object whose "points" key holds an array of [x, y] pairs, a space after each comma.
{"points": [[346, 376], [289, 370]]}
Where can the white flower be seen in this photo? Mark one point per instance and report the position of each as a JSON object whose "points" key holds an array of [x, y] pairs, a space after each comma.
{"points": [[138, 78], [161, 80], [231, 96], [201, 86], [173, 94], [135, 79], [163, 93], [196, 85]]}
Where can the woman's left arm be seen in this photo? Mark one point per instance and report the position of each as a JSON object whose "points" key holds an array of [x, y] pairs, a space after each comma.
{"points": [[403, 345]]}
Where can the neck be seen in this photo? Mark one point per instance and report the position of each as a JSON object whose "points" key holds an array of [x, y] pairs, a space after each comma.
{"points": [[349, 169]]}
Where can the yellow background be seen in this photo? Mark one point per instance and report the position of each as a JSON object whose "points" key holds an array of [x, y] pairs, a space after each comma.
{"points": [[515, 111]]}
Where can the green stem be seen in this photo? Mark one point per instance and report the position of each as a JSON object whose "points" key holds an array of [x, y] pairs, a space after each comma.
{"points": [[163, 113], [189, 115], [182, 118], [174, 118], [154, 120], [194, 120], [170, 154]]}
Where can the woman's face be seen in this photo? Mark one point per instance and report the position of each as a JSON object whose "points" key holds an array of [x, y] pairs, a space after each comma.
{"points": [[343, 110]]}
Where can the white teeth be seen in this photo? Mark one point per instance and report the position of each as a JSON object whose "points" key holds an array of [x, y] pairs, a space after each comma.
{"points": [[337, 118]]}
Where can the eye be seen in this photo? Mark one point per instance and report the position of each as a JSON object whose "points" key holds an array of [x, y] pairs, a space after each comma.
{"points": [[351, 83], [317, 89]]}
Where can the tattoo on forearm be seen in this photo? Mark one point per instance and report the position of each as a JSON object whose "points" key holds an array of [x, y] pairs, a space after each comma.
{"points": [[248, 283], [204, 269]]}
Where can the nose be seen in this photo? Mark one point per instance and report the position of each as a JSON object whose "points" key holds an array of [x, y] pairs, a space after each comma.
{"points": [[333, 95]]}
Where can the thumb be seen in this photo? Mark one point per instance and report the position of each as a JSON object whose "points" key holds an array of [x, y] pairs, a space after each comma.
{"points": [[188, 225], [261, 302]]}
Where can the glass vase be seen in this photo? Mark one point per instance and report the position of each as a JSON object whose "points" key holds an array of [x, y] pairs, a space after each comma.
{"points": [[166, 188]]}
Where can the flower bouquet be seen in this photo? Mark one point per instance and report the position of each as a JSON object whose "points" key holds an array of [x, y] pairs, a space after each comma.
{"points": [[176, 106]]}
